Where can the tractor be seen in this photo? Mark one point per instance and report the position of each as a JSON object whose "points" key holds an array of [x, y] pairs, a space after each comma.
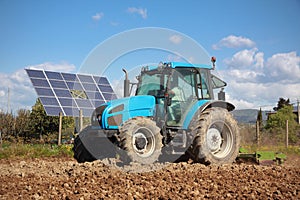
{"points": [[172, 115]]}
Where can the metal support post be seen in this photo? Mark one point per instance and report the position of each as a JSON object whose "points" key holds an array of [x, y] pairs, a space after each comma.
{"points": [[298, 108], [287, 134], [59, 129], [80, 120]]}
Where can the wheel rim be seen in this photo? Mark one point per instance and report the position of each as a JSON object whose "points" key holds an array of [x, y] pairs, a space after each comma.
{"points": [[143, 142], [219, 139]]}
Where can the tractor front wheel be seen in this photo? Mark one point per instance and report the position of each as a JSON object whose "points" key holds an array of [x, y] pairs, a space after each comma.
{"points": [[217, 138], [141, 140]]}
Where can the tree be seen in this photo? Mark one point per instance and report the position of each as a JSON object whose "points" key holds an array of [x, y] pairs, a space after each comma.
{"points": [[40, 123], [259, 119], [7, 125], [277, 123], [22, 122], [281, 103]]}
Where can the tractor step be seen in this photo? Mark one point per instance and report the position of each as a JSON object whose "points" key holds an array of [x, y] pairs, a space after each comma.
{"points": [[179, 140]]}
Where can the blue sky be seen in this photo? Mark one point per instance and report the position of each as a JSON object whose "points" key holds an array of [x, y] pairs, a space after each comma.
{"points": [[257, 43]]}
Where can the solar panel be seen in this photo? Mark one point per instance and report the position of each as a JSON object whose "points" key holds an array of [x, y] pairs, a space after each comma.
{"points": [[68, 93]]}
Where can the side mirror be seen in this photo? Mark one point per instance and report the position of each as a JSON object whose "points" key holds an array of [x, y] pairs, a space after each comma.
{"points": [[221, 95]]}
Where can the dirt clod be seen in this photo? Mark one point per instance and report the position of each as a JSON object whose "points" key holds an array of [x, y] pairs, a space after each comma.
{"points": [[61, 178]]}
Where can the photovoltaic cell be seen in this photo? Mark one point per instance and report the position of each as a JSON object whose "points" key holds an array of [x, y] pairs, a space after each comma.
{"points": [[103, 81], [85, 78], [69, 77], [35, 74], [89, 87], [109, 96], [66, 102], [49, 101], [68, 93], [54, 75], [84, 103], [106, 88], [58, 84], [40, 83], [74, 86], [52, 110], [94, 95], [44, 92], [62, 93]]}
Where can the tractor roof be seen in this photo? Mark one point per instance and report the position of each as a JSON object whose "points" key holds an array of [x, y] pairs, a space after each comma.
{"points": [[180, 64]]}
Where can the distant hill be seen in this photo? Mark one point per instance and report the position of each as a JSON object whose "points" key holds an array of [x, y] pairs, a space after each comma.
{"points": [[247, 115]]}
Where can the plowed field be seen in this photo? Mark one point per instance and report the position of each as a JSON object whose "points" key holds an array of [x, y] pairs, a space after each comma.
{"points": [[64, 178]]}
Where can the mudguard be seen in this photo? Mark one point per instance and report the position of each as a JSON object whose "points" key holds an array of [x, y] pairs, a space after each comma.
{"points": [[120, 110], [202, 105]]}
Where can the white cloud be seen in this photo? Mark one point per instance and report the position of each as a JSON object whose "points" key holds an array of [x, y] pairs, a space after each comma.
{"points": [[233, 41], [98, 16], [140, 11], [61, 67], [245, 59], [252, 80], [284, 67], [2, 93], [176, 39]]}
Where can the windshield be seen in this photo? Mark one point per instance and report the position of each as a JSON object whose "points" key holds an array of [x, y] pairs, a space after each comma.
{"points": [[152, 83]]}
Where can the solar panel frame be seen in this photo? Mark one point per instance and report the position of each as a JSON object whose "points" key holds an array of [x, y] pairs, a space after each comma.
{"points": [[54, 90]]}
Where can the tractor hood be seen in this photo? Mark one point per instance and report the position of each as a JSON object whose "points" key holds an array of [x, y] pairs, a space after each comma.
{"points": [[118, 111]]}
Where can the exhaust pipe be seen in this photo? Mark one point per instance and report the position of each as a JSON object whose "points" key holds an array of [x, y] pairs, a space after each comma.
{"points": [[126, 84]]}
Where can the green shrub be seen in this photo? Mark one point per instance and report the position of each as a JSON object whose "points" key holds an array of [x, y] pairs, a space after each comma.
{"points": [[10, 150]]}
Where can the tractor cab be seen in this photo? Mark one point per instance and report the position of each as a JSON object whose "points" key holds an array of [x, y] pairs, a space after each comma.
{"points": [[176, 88]]}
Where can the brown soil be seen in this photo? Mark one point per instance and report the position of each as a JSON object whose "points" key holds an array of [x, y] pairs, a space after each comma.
{"points": [[64, 178]]}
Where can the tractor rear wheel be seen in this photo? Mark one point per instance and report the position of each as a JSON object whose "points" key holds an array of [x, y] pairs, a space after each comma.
{"points": [[217, 138], [141, 140]]}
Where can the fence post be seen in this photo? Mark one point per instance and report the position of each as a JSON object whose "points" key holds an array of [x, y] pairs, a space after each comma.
{"points": [[1, 139], [298, 111], [257, 133], [287, 134]]}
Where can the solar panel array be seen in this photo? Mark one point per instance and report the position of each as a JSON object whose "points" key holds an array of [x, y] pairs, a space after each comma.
{"points": [[68, 93]]}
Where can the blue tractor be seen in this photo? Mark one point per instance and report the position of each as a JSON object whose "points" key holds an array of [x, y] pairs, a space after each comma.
{"points": [[172, 115]]}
